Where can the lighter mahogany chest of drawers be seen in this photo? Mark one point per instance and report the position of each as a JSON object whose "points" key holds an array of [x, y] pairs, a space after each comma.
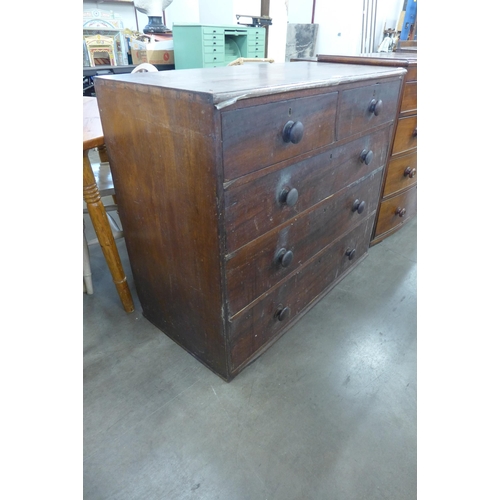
{"points": [[398, 203], [246, 193]]}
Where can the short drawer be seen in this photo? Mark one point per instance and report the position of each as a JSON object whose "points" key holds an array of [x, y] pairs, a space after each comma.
{"points": [[213, 38], [401, 173], [266, 320], [406, 135], [412, 73], [214, 57], [253, 208], [366, 107], [258, 266], [258, 136], [213, 49], [395, 211], [213, 31], [409, 103]]}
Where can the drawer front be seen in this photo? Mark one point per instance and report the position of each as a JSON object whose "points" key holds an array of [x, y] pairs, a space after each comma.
{"points": [[401, 173], [213, 31], [258, 266], [412, 73], [253, 208], [214, 57], [254, 328], [255, 137], [366, 107], [409, 102], [213, 49], [391, 214], [213, 38], [406, 135]]}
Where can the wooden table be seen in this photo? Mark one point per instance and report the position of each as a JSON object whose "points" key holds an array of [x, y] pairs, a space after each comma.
{"points": [[93, 138]]}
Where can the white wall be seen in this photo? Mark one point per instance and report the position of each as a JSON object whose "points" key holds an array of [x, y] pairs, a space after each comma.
{"points": [[340, 21]]}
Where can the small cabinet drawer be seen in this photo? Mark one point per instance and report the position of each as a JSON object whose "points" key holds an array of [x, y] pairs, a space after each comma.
{"points": [[406, 135], [395, 211], [213, 49], [253, 208], [409, 103], [401, 173], [254, 328], [213, 38], [367, 107], [213, 31], [257, 136], [256, 267], [214, 57]]}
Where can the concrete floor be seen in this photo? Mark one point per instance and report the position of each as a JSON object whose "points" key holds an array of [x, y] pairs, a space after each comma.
{"points": [[327, 413]]}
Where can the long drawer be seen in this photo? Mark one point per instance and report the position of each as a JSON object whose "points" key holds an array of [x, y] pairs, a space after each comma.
{"points": [[256, 267], [253, 208], [395, 211], [256, 327], [258, 136]]}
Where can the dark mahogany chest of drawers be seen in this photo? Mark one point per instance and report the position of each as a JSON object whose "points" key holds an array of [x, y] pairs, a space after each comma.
{"points": [[246, 193], [398, 202]]}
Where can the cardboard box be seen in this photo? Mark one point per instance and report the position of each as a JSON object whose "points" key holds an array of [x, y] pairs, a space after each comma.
{"points": [[152, 53]]}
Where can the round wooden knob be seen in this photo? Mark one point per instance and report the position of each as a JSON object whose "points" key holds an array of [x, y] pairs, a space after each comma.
{"points": [[358, 206], [283, 257], [400, 211], [293, 132], [410, 172], [375, 106], [366, 156], [289, 196], [350, 252], [282, 313]]}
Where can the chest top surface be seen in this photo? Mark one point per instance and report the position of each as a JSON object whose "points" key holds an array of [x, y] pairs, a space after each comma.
{"points": [[255, 79]]}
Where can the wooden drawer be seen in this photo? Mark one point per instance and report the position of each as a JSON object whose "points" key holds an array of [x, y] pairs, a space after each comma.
{"points": [[406, 135], [412, 73], [254, 328], [253, 208], [401, 173], [254, 268], [409, 102], [356, 112], [253, 137], [389, 215]]}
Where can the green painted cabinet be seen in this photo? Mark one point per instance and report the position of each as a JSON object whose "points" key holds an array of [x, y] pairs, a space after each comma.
{"points": [[201, 46]]}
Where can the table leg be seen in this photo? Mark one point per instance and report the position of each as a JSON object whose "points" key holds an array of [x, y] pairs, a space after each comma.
{"points": [[104, 234]]}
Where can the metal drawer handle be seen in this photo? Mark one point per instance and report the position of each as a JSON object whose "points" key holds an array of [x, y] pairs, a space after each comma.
{"points": [[293, 132], [401, 211]]}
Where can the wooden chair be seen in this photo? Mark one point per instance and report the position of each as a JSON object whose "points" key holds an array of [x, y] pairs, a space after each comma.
{"points": [[104, 182], [93, 138]]}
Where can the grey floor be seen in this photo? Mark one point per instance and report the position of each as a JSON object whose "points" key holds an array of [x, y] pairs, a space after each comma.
{"points": [[328, 412]]}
